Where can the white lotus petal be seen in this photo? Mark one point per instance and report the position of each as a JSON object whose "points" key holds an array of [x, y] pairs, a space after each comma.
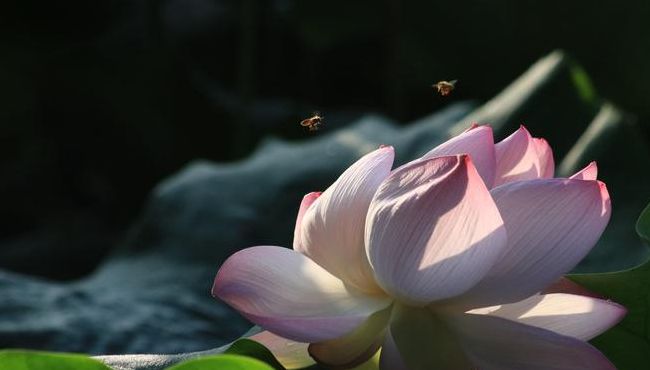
{"points": [[290, 295], [433, 230]]}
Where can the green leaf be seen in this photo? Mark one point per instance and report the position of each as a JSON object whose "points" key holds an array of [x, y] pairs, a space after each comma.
{"points": [[222, 362], [243, 346], [36, 360], [251, 348], [627, 345]]}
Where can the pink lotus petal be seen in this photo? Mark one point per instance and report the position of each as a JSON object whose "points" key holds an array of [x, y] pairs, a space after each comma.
{"points": [[307, 201], [564, 285], [478, 143], [552, 224], [522, 157], [588, 173], [572, 315], [355, 348], [494, 343], [290, 295], [545, 155], [332, 228], [433, 230], [290, 354], [390, 358]]}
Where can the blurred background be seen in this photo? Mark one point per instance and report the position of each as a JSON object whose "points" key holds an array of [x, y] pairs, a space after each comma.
{"points": [[100, 100]]}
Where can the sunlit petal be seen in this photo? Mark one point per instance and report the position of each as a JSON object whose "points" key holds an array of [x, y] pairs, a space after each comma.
{"points": [[588, 173], [545, 156], [332, 228], [307, 201], [552, 224], [433, 230], [522, 157], [478, 143], [567, 314], [288, 294]]}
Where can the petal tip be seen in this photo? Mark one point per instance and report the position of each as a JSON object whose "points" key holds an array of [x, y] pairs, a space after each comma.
{"points": [[465, 159], [522, 129], [217, 285], [385, 153], [220, 285], [215, 289], [478, 126], [542, 140], [621, 311], [603, 190], [604, 194], [590, 172], [312, 195], [386, 148]]}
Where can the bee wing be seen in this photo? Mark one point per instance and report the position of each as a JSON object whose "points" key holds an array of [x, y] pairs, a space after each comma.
{"points": [[306, 122], [453, 82]]}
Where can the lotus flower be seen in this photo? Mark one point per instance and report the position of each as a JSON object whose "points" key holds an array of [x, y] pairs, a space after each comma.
{"points": [[442, 262]]}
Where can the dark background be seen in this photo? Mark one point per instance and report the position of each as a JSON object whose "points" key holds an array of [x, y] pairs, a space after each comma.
{"points": [[99, 100]]}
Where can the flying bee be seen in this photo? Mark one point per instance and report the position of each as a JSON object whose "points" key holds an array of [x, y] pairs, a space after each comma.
{"points": [[445, 87], [313, 122]]}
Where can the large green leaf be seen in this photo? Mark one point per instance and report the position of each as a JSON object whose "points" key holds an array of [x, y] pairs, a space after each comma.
{"points": [[628, 344], [242, 346], [251, 348], [36, 360], [222, 362]]}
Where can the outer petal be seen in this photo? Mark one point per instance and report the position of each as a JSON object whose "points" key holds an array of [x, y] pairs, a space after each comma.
{"points": [[307, 201], [292, 355], [355, 348], [572, 315], [521, 157], [332, 228], [588, 173], [498, 344], [290, 295], [433, 231], [552, 224], [478, 142]]}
